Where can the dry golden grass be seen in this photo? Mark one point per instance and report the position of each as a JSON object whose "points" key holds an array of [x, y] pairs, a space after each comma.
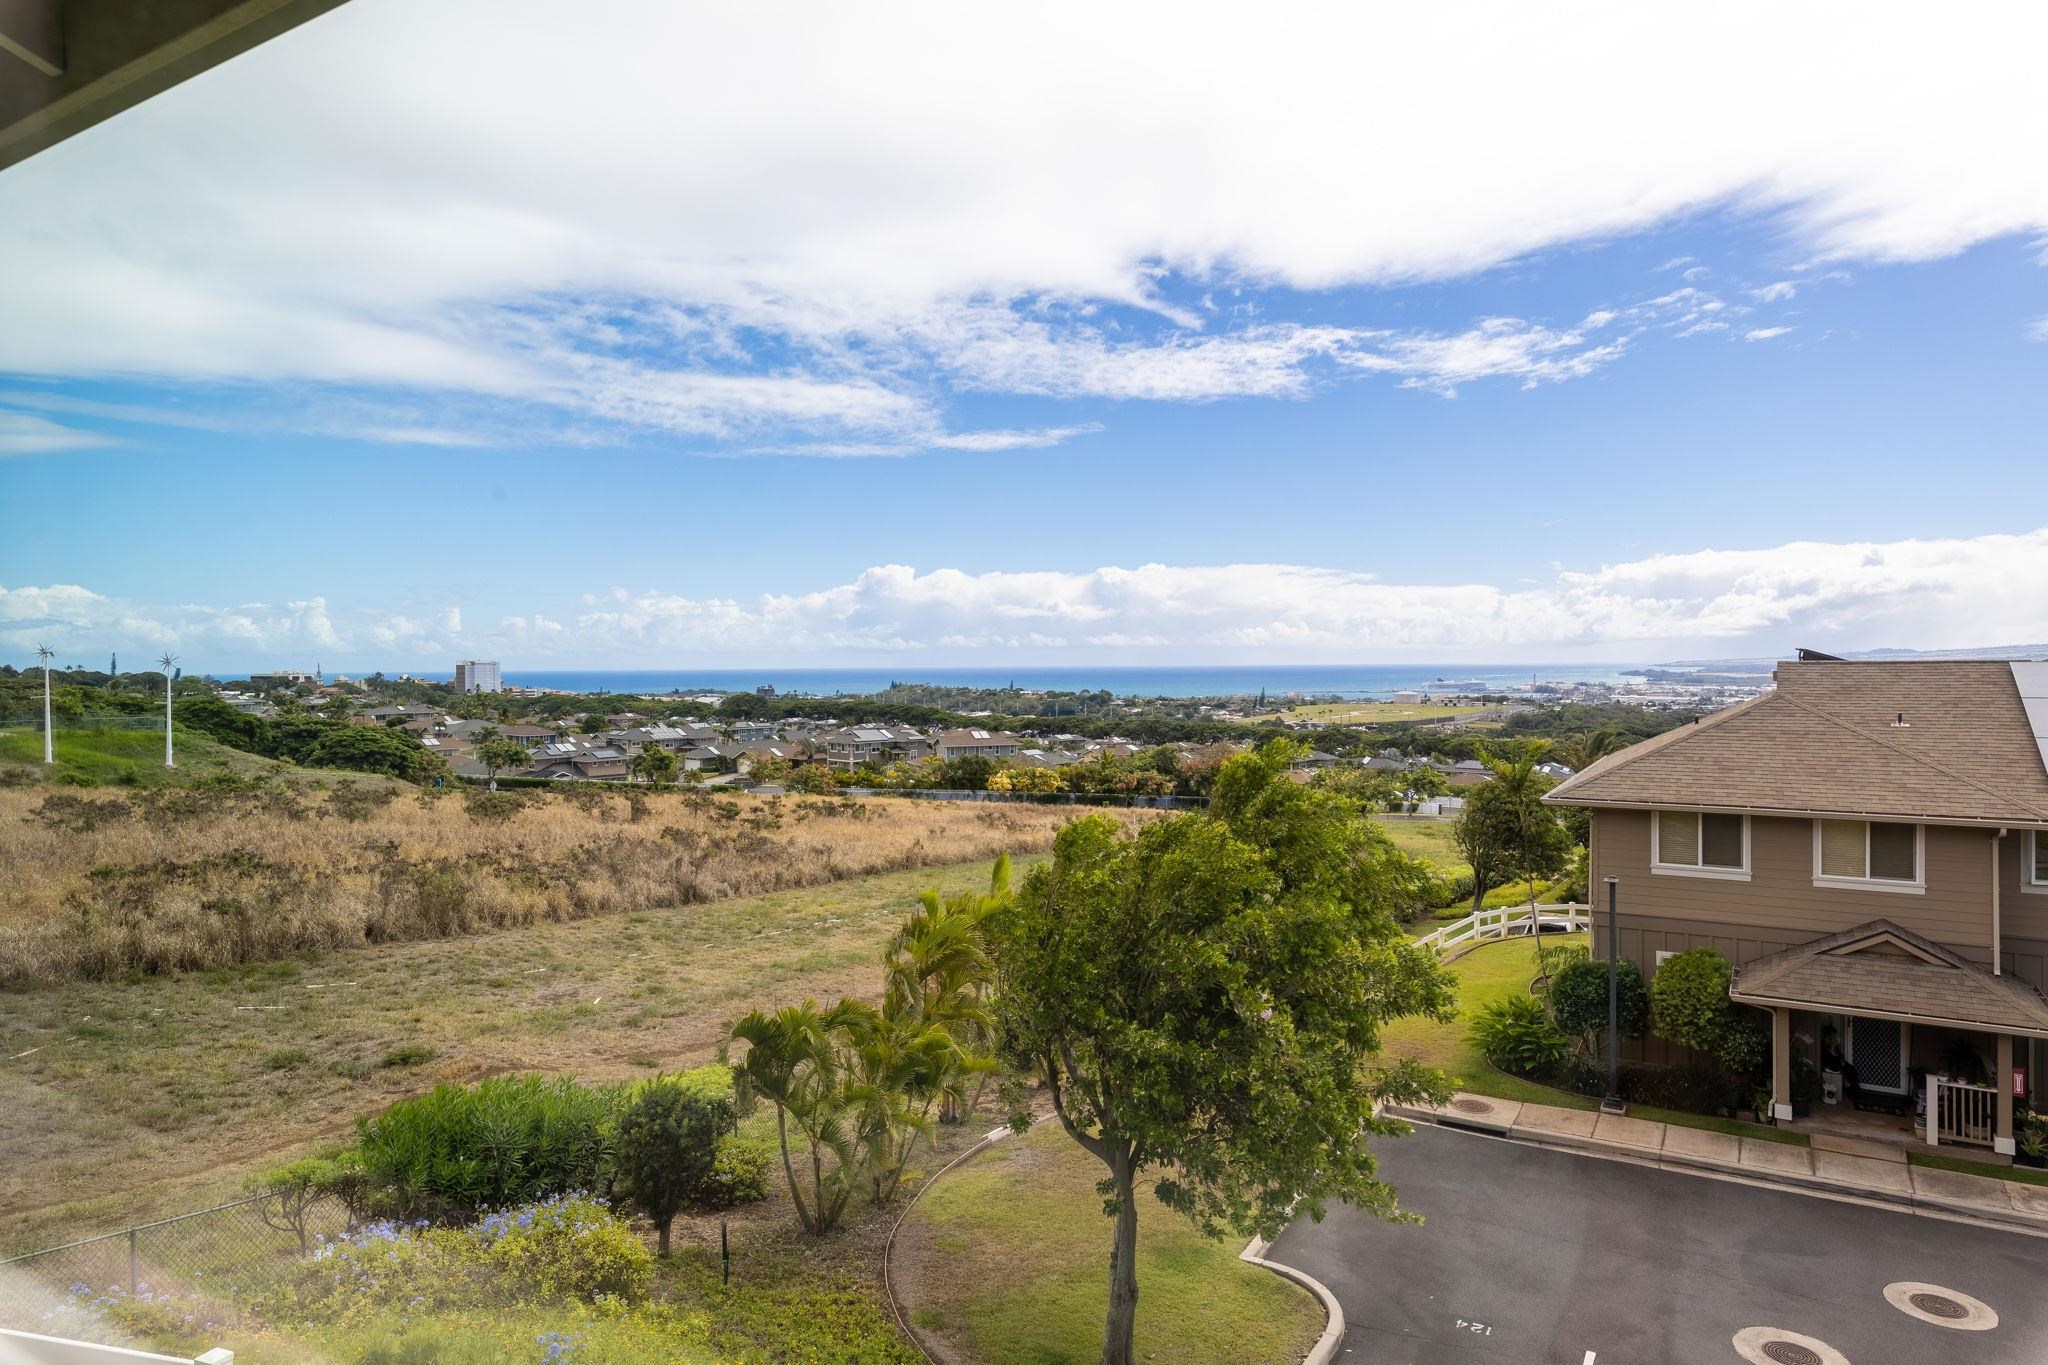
{"points": [[105, 886]]}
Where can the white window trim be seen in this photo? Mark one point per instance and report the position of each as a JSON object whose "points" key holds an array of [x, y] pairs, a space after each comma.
{"points": [[1916, 887], [1660, 868], [2027, 864]]}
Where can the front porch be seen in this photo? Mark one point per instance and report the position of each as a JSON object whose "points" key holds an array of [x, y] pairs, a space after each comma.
{"points": [[1880, 1035]]}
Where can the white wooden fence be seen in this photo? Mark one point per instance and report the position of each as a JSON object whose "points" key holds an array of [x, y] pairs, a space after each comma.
{"points": [[1505, 922], [1960, 1112]]}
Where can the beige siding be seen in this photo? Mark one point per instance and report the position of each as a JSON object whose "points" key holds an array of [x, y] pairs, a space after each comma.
{"points": [[2024, 913], [1780, 905]]}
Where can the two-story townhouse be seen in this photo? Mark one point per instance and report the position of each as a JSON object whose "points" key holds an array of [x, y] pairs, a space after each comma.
{"points": [[879, 745], [1868, 844], [983, 743]]}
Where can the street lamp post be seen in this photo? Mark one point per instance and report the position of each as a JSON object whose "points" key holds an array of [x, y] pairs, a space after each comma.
{"points": [[1612, 1104]]}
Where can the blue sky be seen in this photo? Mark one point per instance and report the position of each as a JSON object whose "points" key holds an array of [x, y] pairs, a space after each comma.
{"points": [[772, 368]]}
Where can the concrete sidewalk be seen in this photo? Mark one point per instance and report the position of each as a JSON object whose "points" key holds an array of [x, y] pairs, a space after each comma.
{"points": [[1840, 1166]]}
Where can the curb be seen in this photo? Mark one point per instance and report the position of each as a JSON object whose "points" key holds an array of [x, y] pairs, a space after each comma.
{"points": [[1906, 1201], [889, 1246], [1325, 1349]]}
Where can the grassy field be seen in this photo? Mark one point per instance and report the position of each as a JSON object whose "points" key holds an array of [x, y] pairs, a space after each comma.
{"points": [[177, 879], [1369, 713], [132, 758], [1004, 1262], [133, 1099], [1425, 837]]}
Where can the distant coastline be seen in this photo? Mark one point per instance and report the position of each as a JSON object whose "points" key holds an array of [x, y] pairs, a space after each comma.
{"points": [[1347, 681]]}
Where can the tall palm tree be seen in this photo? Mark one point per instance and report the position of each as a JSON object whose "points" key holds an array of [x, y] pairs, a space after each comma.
{"points": [[1537, 837], [937, 971], [1581, 752]]}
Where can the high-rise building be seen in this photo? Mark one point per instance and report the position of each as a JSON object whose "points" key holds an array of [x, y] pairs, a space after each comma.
{"points": [[477, 675]]}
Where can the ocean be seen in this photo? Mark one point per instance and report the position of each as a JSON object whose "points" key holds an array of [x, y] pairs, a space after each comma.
{"points": [[1342, 680]]}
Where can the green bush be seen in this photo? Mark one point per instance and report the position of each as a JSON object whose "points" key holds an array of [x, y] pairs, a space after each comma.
{"points": [[509, 1139], [666, 1148], [1518, 1036], [1689, 1006], [741, 1173], [1578, 999]]}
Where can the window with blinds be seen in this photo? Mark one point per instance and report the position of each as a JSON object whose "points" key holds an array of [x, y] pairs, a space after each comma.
{"points": [[1868, 850], [1696, 841], [2037, 858]]}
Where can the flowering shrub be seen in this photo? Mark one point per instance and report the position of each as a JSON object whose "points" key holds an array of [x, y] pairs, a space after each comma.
{"points": [[569, 1248], [90, 1313]]}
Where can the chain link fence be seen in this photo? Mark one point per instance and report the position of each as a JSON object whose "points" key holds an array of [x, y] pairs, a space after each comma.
{"points": [[198, 1268]]}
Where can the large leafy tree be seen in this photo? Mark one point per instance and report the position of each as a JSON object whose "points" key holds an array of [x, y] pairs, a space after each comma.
{"points": [[654, 764], [1205, 999], [1505, 830], [500, 755]]}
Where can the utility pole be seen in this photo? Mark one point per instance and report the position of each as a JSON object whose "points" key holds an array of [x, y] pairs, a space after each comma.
{"points": [[45, 653], [1612, 1104], [169, 661]]}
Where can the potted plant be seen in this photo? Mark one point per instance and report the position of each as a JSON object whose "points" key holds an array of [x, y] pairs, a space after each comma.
{"points": [[2033, 1142], [1760, 1103]]}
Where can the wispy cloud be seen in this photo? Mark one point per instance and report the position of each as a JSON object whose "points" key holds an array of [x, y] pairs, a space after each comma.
{"points": [[23, 433], [379, 248], [1764, 333]]}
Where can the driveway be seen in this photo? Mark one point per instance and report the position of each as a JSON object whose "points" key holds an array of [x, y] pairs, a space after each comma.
{"points": [[1533, 1255]]}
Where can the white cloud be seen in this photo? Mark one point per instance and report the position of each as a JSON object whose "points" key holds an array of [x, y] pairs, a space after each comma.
{"points": [[1776, 292], [1764, 333], [23, 433], [2037, 330], [736, 226], [1923, 593]]}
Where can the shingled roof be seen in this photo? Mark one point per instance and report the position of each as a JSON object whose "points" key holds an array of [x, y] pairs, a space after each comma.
{"points": [[1885, 970], [1944, 741]]}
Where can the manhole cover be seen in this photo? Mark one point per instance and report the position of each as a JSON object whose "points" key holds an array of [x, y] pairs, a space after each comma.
{"points": [[1790, 1353], [1940, 1305], [1780, 1346], [1471, 1106]]}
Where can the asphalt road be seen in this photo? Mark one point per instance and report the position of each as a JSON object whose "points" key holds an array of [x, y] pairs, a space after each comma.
{"points": [[1532, 1255]]}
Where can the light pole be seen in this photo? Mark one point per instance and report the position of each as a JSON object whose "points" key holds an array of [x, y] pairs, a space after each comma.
{"points": [[1612, 1104], [45, 653], [169, 661]]}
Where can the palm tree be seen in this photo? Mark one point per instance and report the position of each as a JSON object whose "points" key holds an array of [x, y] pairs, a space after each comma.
{"points": [[1581, 752], [937, 970], [797, 1058], [1538, 839]]}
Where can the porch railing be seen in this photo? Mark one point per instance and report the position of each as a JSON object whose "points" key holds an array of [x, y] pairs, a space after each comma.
{"points": [[1503, 922], [1960, 1112]]}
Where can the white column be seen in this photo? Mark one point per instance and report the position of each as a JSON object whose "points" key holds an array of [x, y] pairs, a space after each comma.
{"points": [[1781, 1065], [2001, 1138]]}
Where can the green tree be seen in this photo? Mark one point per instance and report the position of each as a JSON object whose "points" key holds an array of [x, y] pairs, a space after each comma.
{"points": [[1505, 830], [667, 1144], [1689, 1005], [1206, 999], [1578, 1000], [968, 773], [654, 764], [797, 1058], [499, 755], [364, 749]]}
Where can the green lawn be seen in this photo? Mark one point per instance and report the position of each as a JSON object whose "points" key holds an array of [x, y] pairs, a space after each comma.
{"points": [[1424, 836], [1492, 972], [1006, 1261], [1370, 712], [2025, 1175]]}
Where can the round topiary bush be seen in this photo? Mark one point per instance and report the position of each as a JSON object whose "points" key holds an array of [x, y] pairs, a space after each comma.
{"points": [[1578, 999]]}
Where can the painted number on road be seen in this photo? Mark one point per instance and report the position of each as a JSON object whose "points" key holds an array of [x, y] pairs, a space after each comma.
{"points": [[1477, 1328]]}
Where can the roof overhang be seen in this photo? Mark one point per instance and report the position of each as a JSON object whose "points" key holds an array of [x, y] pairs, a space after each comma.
{"points": [[1767, 1001], [1960, 822], [1882, 970], [67, 65]]}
